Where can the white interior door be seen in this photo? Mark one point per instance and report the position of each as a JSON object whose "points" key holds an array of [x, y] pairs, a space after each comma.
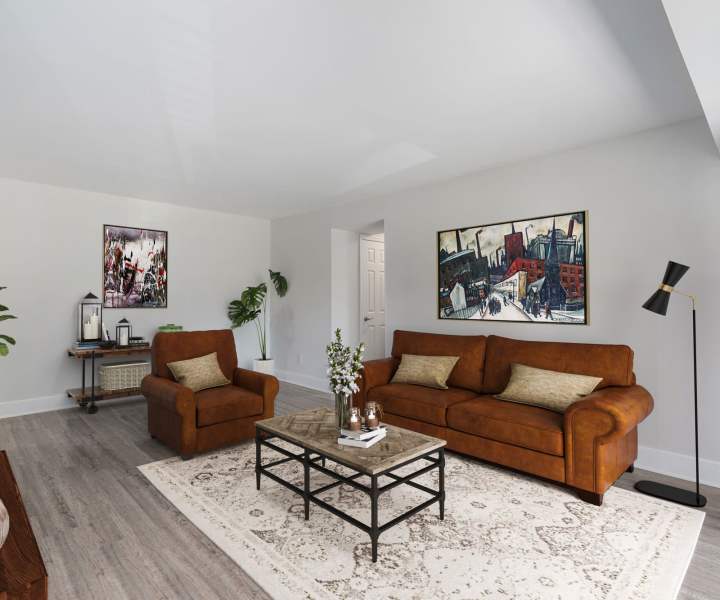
{"points": [[372, 297]]}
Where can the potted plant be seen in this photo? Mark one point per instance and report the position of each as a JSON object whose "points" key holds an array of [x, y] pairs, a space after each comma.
{"points": [[5, 340], [343, 371], [252, 306]]}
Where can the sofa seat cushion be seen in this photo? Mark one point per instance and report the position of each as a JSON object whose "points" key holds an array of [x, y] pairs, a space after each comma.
{"points": [[416, 402], [517, 424], [227, 403]]}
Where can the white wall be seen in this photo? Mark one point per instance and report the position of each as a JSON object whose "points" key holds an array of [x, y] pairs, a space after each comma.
{"points": [[651, 197], [345, 284], [52, 255]]}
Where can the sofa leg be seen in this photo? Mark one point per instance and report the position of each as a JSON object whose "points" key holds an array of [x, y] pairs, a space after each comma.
{"points": [[186, 456], [590, 497], [631, 468]]}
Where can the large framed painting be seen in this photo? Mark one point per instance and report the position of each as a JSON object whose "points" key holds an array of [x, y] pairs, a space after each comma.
{"points": [[135, 267], [530, 271]]}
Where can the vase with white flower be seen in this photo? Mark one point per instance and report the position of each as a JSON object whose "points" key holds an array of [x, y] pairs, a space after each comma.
{"points": [[344, 366]]}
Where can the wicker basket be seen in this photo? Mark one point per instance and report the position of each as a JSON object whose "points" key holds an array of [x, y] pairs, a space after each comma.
{"points": [[123, 375]]}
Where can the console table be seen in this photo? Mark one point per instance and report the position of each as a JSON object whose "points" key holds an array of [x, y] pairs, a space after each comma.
{"points": [[86, 397], [22, 570]]}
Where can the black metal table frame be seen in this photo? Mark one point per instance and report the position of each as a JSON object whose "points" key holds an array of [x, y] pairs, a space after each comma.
{"points": [[311, 458]]}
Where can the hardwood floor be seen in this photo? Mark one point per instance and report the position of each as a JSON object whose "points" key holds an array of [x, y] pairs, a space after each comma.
{"points": [[106, 533]]}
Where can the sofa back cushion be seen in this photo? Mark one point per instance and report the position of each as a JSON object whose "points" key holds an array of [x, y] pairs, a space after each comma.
{"points": [[468, 371], [614, 363], [182, 345]]}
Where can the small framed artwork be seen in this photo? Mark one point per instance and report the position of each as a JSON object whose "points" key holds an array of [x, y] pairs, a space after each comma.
{"points": [[529, 271], [135, 267]]}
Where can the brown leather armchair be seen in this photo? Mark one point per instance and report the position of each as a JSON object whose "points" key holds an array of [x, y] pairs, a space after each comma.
{"points": [[191, 422]]}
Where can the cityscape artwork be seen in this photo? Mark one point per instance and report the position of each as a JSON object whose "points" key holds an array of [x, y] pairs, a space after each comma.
{"points": [[134, 267], [533, 270]]}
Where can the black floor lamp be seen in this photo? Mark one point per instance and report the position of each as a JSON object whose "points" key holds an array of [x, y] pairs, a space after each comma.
{"points": [[658, 303]]}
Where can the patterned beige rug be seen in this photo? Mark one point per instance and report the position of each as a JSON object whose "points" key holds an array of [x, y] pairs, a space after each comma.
{"points": [[504, 535]]}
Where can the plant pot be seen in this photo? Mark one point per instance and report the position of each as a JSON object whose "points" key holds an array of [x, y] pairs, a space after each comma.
{"points": [[266, 366], [4, 523]]}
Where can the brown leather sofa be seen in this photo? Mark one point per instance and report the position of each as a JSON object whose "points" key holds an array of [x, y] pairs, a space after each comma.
{"points": [[191, 422], [587, 448]]}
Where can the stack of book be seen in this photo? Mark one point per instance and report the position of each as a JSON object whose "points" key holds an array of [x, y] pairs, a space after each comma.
{"points": [[364, 438]]}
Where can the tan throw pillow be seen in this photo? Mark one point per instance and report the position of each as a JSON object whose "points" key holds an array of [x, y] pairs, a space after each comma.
{"points": [[430, 371], [547, 389], [199, 373]]}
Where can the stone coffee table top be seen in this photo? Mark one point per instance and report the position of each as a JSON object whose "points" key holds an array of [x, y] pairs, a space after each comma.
{"points": [[316, 430]]}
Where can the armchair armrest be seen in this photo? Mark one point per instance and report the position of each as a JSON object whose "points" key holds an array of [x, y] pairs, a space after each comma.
{"points": [[169, 394], [597, 433], [260, 383], [374, 373]]}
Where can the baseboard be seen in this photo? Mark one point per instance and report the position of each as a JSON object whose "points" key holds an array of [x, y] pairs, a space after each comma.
{"points": [[308, 381], [28, 406], [678, 465]]}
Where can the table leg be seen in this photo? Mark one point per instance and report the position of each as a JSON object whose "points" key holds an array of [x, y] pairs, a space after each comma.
{"points": [[83, 400], [306, 495], [441, 477], [374, 531], [92, 408], [258, 453]]}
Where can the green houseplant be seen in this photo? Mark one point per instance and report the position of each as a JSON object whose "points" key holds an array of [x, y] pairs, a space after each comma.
{"points": [[252, 307], [5, 340]]}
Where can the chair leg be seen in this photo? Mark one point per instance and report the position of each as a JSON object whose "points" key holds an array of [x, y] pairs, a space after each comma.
{"points": [[590, 497]]}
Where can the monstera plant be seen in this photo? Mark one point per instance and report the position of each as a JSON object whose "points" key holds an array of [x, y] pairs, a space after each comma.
{"points": [[252, 307], [5, 340]]}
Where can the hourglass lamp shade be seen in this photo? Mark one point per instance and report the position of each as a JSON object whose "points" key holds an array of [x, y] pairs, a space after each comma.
{"points": [[658, 302]]}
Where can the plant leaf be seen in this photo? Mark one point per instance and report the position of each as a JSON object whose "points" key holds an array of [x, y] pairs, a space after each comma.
{"points": [[8, 339], [279, 281], [3, 307], [4, 349], [6, 317]]}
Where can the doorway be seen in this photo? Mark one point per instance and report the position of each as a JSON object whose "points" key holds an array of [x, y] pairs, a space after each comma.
{"points": [[372, 295]]}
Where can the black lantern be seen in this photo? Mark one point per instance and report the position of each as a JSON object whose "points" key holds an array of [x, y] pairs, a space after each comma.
{"points": [[123, 333], [90, 319]]}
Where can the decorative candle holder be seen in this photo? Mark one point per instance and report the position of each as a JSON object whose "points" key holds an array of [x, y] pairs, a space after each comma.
{"points": [[372, 418], [354, 420]]}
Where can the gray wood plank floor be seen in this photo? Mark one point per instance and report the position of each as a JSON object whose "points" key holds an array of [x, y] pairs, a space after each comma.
{"points": [[106, 533]]}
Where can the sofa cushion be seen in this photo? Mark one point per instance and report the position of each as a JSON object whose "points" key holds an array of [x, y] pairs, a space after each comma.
{"points": [[613, 363], [429, 371], [416, 402], [516, 424], [468, 372], [198, 373], [227, 403], [547, 389]]}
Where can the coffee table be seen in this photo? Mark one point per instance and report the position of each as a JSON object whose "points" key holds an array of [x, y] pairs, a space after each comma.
{"points": [[315, 433]]}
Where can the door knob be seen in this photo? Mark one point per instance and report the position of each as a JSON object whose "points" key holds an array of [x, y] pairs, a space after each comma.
{"points": [[366, 319]]}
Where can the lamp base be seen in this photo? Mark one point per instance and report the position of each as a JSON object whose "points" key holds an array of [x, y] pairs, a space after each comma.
{"points": [[674, 494]]}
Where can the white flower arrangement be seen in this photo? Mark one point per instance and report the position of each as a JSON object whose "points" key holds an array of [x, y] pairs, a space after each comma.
{"points": [[345, 365]]}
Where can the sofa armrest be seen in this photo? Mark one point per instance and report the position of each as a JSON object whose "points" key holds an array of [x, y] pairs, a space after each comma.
{"points": [[597, 431], [260, 383], [374, 373], [168, 394]]}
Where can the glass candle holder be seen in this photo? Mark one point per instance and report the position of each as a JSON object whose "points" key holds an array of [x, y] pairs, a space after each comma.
{"points": [[354, 420]]}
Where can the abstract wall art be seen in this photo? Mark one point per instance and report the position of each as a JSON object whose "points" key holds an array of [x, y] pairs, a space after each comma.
{"points": [[134, 267], [530, 270]]}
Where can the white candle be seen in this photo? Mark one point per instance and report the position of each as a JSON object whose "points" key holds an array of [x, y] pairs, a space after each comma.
{"points": [[124, 339]]}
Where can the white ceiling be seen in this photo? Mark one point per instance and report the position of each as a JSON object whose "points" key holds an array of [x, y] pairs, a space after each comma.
{"points": [[273, 107]]}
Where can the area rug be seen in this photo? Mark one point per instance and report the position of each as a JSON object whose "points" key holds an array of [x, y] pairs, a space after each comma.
{"points": [[504, 535]]}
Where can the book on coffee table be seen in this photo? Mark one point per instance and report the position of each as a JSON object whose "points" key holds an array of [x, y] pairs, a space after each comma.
{"points": [[364, 433], [344, 440]]}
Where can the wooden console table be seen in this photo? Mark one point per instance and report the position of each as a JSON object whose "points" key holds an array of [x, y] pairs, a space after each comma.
{"points": [[22, 570], [86, 397]]}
